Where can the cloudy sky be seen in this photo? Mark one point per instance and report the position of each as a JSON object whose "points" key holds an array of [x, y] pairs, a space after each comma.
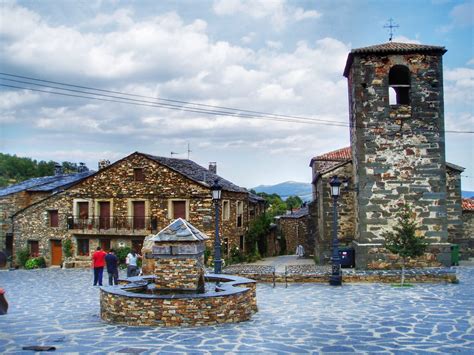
{"points": [[271, 56]]}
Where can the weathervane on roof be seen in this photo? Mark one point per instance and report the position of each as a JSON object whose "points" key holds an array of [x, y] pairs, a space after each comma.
{"points": [[391, 26]]}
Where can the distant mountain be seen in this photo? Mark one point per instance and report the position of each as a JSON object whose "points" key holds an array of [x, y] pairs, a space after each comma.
{"points": [[287, 189], [467, 194]]}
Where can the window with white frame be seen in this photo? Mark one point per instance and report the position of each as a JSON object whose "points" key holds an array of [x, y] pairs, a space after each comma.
{"points": [[225, 210]]}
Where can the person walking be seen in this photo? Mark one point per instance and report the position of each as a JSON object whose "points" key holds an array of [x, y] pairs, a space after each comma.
{"points": [[132, 263], [98, 263], [112, 262]]}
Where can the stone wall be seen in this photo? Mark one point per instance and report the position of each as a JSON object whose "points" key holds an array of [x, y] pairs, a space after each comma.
{"points": [[179, 273], [295, 231], [165, 311], [116, 184], [454, 207], [398, 150], [10, 204], [468, 229], [322, 209]]}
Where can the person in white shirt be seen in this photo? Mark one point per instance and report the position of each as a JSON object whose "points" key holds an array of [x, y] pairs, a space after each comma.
{"points": [[132, 263]]}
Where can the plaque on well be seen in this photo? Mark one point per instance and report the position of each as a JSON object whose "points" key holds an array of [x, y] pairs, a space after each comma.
{"points": [[161, 250]]}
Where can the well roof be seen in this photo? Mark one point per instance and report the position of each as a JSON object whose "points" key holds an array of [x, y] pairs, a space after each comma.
{"points": [[179, 230]]}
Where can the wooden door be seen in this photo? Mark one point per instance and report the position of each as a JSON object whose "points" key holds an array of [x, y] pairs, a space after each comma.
{"points": [[56, 252], [83, 214], [138, 215], [179, 209], [105, 244], [104, 213]]}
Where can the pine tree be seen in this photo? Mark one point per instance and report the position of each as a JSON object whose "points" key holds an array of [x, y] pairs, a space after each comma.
{"points": [[403, 241]]}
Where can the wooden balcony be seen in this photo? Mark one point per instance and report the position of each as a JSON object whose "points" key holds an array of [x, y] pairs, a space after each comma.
{"points": [[121, 225]]}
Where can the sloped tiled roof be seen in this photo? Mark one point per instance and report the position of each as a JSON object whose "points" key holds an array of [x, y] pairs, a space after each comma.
{"points": [[301, 212], [45, 183], [195, 172], [389, 48], [342, 154], [468, 204], [179, 230], [255, 198]]}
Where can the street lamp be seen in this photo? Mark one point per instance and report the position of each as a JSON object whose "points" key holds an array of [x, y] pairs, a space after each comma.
{"points": [[216, 197], [336, 278]]}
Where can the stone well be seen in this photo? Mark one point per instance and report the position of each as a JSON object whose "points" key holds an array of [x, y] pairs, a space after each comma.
{"points": [[172, 291]]}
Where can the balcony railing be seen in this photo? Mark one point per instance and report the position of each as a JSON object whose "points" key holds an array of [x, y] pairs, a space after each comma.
{"points": [[131, 223]]}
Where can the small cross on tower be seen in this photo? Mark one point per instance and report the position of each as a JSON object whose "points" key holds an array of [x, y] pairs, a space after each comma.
{"points": [[391, 25]]}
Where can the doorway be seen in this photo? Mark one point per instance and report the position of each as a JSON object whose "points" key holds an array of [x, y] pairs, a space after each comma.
{"points": [[56, 252]]}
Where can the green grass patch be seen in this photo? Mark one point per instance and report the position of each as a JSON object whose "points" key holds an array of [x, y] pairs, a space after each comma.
{"points": [[400, 285]]}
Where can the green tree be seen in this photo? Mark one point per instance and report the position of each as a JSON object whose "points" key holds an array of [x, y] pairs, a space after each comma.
{"points": [[293, 202], [256, 236], [275, 205], [403, 240]]}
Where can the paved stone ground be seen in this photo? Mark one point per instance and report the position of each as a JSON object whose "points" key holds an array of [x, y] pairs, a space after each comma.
{"points": [[61, 308], [279, 262]]}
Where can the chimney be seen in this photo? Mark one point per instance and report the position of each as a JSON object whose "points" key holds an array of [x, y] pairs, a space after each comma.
{"points": [[103, 163], [82, 168], [213, 167], [58, 169]]}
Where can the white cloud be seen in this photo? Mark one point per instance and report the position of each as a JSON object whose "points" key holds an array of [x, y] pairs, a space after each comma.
{"points": [[248, 38], [278, 11], [463, 14], [459, 86], [470, 62], [274, 44]]}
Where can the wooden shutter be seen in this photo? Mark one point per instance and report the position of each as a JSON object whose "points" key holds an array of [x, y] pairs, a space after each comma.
{"points": [[179, 209]]}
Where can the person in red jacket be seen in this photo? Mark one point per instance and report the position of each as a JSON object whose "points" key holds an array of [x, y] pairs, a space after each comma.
{"points": [[98, 263]]}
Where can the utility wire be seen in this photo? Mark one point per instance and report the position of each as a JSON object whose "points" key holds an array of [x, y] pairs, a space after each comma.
{"points": [[168, 100], [217, 110]]}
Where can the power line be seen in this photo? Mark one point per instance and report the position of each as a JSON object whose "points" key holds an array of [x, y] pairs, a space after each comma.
{"points": [[166, 100], [216, 111]]}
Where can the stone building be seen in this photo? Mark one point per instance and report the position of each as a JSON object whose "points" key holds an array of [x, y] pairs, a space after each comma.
{"points": [[467, 242], [293, 227], [397, 155], [19, 196], [339, 162], [123, 202]]}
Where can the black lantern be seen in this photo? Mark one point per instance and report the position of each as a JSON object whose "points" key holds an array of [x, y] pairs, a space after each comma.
{"points": [[336, 278], [216, 197]]}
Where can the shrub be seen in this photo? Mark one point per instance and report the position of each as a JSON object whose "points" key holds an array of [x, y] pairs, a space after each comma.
{"points": [[207, 254], [122, 253], [22, 256], [31, 264], [41, 261], [67, 248]]}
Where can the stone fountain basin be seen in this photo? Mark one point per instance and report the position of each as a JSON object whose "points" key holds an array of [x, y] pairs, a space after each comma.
{"points": [[234, 300]]}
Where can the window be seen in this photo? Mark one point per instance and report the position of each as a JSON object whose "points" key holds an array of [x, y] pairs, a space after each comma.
{"points": [[225, 210], [83, 247], [240, 213], [138, 174], [53, 218], [179, 209], [399, 85], [33, 246], [105, 244], [138, 214], [137, 245]]}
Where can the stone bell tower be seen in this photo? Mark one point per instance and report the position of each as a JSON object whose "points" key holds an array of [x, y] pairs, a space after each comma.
{"points": [[398, 144]]}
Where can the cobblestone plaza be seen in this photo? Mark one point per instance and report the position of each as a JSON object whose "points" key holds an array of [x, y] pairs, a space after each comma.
{"points": [[60, 308]]}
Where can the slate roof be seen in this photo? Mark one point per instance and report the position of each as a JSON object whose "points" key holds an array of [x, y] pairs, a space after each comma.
{"points": [[179, 230], [468, 204], [301, 212], [455, 167], [45, 183], [255, 198], [391, 48], [195, 172]]}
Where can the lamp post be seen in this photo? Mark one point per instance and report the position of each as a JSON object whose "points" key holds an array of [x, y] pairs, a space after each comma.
{"points": [[216, 197], [336, 278]]}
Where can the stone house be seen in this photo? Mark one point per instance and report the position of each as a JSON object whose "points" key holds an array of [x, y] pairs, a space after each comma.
{"points": [[293, 227], [397, 155], [125, 201], [19, 196], [467, 242]]}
